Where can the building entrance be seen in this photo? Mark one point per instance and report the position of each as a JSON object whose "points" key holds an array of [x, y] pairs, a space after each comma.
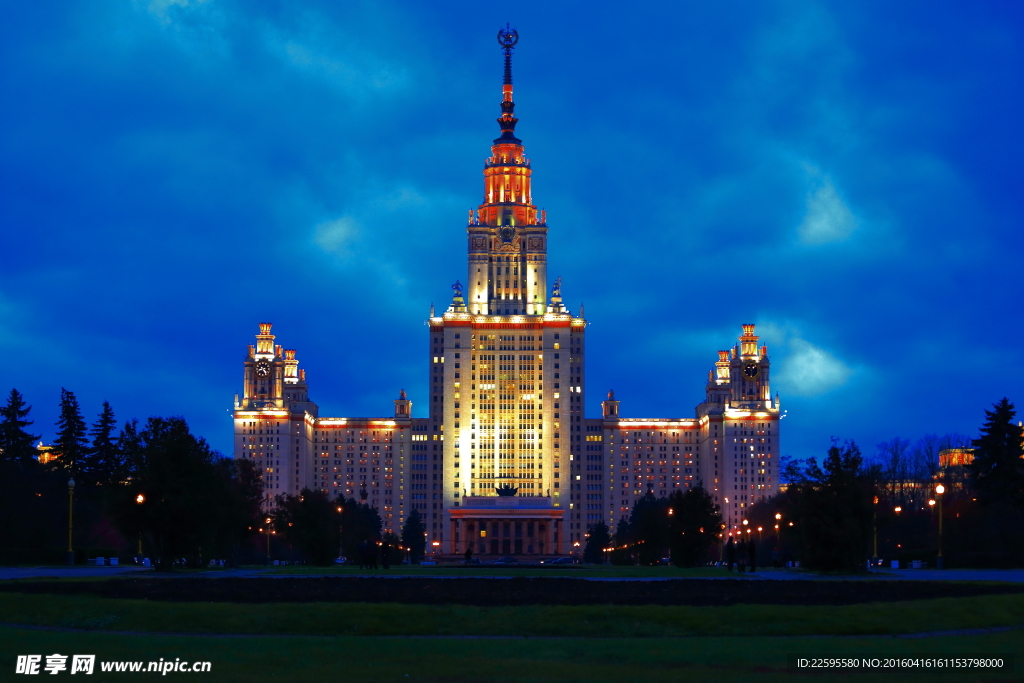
{"points": [[507, 525]]}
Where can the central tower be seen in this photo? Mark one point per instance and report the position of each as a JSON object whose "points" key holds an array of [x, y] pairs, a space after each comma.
{"points": [[506, 369], [507, 234]]}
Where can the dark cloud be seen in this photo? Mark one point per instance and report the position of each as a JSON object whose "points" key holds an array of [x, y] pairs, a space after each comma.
{"points": [[847, 176]]}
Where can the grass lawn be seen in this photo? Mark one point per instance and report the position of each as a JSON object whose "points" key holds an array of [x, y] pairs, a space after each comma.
{"points": [[368, 659], [390, 619], [600, 643]]}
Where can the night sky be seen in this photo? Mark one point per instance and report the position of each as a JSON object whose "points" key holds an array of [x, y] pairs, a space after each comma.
{"points": [[845, 175]]}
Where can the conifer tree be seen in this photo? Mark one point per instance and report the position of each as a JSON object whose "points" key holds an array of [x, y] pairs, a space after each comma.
{"points": [[693, 526], [101, 464], [129, 450], [70, 446], [413, 536], [16, 444], [623, 539], [598, 538], [997, 471]]}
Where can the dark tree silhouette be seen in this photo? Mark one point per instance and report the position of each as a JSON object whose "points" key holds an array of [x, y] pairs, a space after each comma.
{"points": [[647, 530], [997, 472], [359, 522], [598, 538], [101, 462], [195, 504], [413, 536], [832, 506], [623, 538], [693, 526], [16, 444], [70, 446], [311, 523]]}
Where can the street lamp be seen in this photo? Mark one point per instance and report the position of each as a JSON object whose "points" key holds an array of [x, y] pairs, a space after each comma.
{"points": [[268, 539], [874, 531], [939, 560], [140, 499], [71, 493]]}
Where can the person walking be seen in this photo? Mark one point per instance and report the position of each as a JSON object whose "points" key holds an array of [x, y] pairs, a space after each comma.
{"points": [[469, 556], [753, 555], [741, 553], [385, 555], [730, 553]]}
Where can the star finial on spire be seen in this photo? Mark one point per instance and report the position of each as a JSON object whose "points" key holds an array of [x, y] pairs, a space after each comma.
{"points": [[507, 38]]}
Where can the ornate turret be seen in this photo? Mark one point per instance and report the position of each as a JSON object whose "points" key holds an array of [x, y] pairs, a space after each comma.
{"points": [[403, 406], [610, 407]]}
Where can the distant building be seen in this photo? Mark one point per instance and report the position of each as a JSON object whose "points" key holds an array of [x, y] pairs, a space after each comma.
{"points": [[45, 454], [955, 457], [506, 462]]}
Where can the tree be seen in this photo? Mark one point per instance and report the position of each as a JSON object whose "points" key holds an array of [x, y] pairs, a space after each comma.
{"points": [[997, 471], [16, 444], [623, 538], [832, 509], [414, 536], [598, 538], [70, 446], [897, 465], [311, 523], [129, 451], [693, 526], [359, 522], [190, 495], [648, 528], [101, 462]]}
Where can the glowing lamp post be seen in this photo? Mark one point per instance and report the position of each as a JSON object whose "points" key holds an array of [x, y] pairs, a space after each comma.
{"points": [[268, 539], [939, 560], [139, 500], [874, 533], [71, 501]]}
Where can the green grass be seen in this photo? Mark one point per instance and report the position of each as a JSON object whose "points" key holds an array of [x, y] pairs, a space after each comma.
{"points": [[389, 619], [372, 659], [571, 571]]}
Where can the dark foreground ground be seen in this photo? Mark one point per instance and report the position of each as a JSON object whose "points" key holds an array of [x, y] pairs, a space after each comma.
{"points": [[515, 591]]}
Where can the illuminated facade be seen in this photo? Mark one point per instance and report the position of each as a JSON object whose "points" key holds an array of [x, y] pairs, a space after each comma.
{"points": [[505, 462]]}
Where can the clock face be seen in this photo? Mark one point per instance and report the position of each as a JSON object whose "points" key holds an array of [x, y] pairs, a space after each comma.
{"points": [[751, 370], [507, 234], [263, 368]]}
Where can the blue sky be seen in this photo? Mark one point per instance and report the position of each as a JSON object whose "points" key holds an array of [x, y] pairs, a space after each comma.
{"points": [[845, 175]]}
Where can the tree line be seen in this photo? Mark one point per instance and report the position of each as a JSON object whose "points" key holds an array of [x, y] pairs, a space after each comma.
{"points": [[158, 489], [836, 514], [682, 528]]}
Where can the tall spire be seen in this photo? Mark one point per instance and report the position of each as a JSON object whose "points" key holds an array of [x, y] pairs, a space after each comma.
{"points": [[507, 234], [507, 38]]}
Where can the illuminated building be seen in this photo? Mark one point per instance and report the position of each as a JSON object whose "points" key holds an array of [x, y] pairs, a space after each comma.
{"points": [[45, 454], [505, 462], [955, 457]]}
